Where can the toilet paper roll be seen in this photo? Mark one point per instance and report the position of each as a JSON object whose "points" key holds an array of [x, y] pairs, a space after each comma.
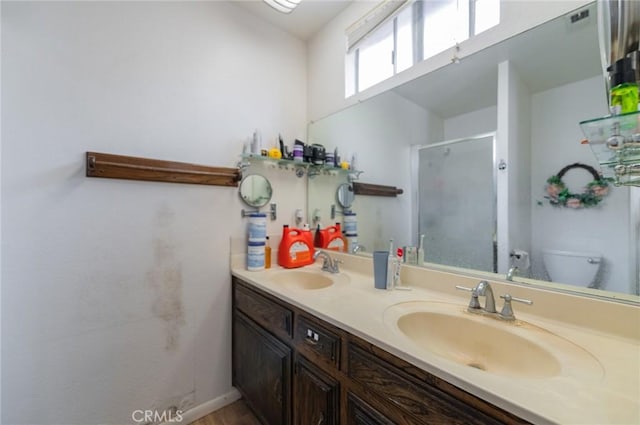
{"points": [[520, 259]]}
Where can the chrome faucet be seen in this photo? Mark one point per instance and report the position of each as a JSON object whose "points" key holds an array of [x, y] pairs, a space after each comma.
{"points": [[512, 272], [484, 290], [330, 264], [358, 248]]}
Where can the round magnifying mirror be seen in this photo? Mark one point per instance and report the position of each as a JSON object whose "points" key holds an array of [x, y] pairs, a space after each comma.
{"points": [[255, 190], [345, 195]]}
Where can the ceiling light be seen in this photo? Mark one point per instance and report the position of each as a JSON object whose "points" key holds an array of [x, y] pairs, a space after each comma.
{"points": [[284, 6]]}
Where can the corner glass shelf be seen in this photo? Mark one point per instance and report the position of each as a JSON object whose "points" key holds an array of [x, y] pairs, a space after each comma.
{"points": [[615, 141], [312, 170]]}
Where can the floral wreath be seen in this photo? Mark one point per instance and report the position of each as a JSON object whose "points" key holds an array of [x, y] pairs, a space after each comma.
{"points": [[560, 196]]}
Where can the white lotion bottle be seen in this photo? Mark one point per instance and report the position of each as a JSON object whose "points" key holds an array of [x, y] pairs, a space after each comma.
{"points": [[421, 251]]}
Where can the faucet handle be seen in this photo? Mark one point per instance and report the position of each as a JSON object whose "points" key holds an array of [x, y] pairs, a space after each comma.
{"points": [[336, 268], [474, 304], [507, 310]]}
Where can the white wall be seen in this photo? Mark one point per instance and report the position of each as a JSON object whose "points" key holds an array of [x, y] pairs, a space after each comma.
{"points": [[325, 61], [604, 228], [513, 183], [116, 294], [327, 50], [471, 124]]}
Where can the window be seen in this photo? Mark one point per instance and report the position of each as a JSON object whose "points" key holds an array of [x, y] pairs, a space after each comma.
{"points": [[404, 51], [486, 15], [446, 22], [397, 34], [374, 57]]}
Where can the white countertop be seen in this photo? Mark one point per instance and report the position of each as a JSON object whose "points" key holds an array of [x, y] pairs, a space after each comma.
{"points": [[608, 394]]}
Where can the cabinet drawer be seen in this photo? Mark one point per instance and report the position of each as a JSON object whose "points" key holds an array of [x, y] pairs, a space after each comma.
{"points": [[317, 341], [269, 314], [361, 413], [424, 402]]}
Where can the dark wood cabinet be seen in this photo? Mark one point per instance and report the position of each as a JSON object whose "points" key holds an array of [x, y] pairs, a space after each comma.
{"points": [[264, 311], [294, 368], [262, 371], [361, 413], [315, 394], [424, 402], [317, 342]]}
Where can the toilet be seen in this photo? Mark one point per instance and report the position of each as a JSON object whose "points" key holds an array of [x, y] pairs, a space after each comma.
{"points": [[572, 267]]}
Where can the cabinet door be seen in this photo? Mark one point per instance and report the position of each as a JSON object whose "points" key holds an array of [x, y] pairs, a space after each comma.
{"points": [[262, 371], [315, 395], [361, 413]]}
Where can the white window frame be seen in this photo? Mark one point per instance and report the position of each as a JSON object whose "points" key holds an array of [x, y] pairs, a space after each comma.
{"points": [[381, 14]]}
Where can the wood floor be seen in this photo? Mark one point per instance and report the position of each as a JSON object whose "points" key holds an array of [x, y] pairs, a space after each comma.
{"points": [[236, 413]]}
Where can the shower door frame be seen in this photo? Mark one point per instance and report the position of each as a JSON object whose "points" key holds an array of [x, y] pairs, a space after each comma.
{"points": [[415, 186]]}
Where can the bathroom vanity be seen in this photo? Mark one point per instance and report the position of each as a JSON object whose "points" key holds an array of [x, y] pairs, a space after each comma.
{"points": [[292, 367], [311, 347]]}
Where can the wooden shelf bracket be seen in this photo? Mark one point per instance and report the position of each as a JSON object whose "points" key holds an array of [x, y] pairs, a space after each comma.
{"points": [[134, 168]]}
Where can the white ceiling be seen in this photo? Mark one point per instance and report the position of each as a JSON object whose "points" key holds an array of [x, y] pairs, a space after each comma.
{"points": [[305, 20], [548, 56]]}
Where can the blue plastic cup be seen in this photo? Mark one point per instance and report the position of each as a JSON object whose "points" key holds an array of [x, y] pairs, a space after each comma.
{"points": [[380, 261]]}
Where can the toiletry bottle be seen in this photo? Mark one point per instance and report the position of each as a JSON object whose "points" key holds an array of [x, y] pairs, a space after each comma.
{"points": [[267, 254], [396, 272], [318, 238], [421, 251], [390, 265], [255, 256], [624, 88], [335, 239], [296, 248], [256, 144], [307, 235]]}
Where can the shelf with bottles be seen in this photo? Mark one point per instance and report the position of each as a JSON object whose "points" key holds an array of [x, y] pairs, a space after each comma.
{"points": [[615, 141], [300, 167]]}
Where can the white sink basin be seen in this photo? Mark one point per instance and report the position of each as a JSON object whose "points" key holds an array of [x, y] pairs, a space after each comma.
{"points": [[310, 279], [517, 349]]}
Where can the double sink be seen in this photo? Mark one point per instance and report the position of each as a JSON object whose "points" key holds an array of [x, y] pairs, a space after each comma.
{"points": [[515, 349]]}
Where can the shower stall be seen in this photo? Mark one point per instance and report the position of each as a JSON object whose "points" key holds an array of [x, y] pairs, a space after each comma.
{"points": [[457, 202]]}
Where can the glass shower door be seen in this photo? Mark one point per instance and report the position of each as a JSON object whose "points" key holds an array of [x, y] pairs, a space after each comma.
{"points": [[457, 202]]}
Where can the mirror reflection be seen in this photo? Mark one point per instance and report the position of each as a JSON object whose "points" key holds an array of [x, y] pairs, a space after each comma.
{"points": [[345, 195], [255, 190], [456, 202], [531, 91]]}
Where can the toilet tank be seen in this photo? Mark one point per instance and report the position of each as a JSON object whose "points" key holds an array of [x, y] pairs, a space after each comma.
{"points": [[572, 267]]}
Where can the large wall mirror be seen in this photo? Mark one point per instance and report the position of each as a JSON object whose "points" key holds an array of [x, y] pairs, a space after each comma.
{"points": [[531, 91]]}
